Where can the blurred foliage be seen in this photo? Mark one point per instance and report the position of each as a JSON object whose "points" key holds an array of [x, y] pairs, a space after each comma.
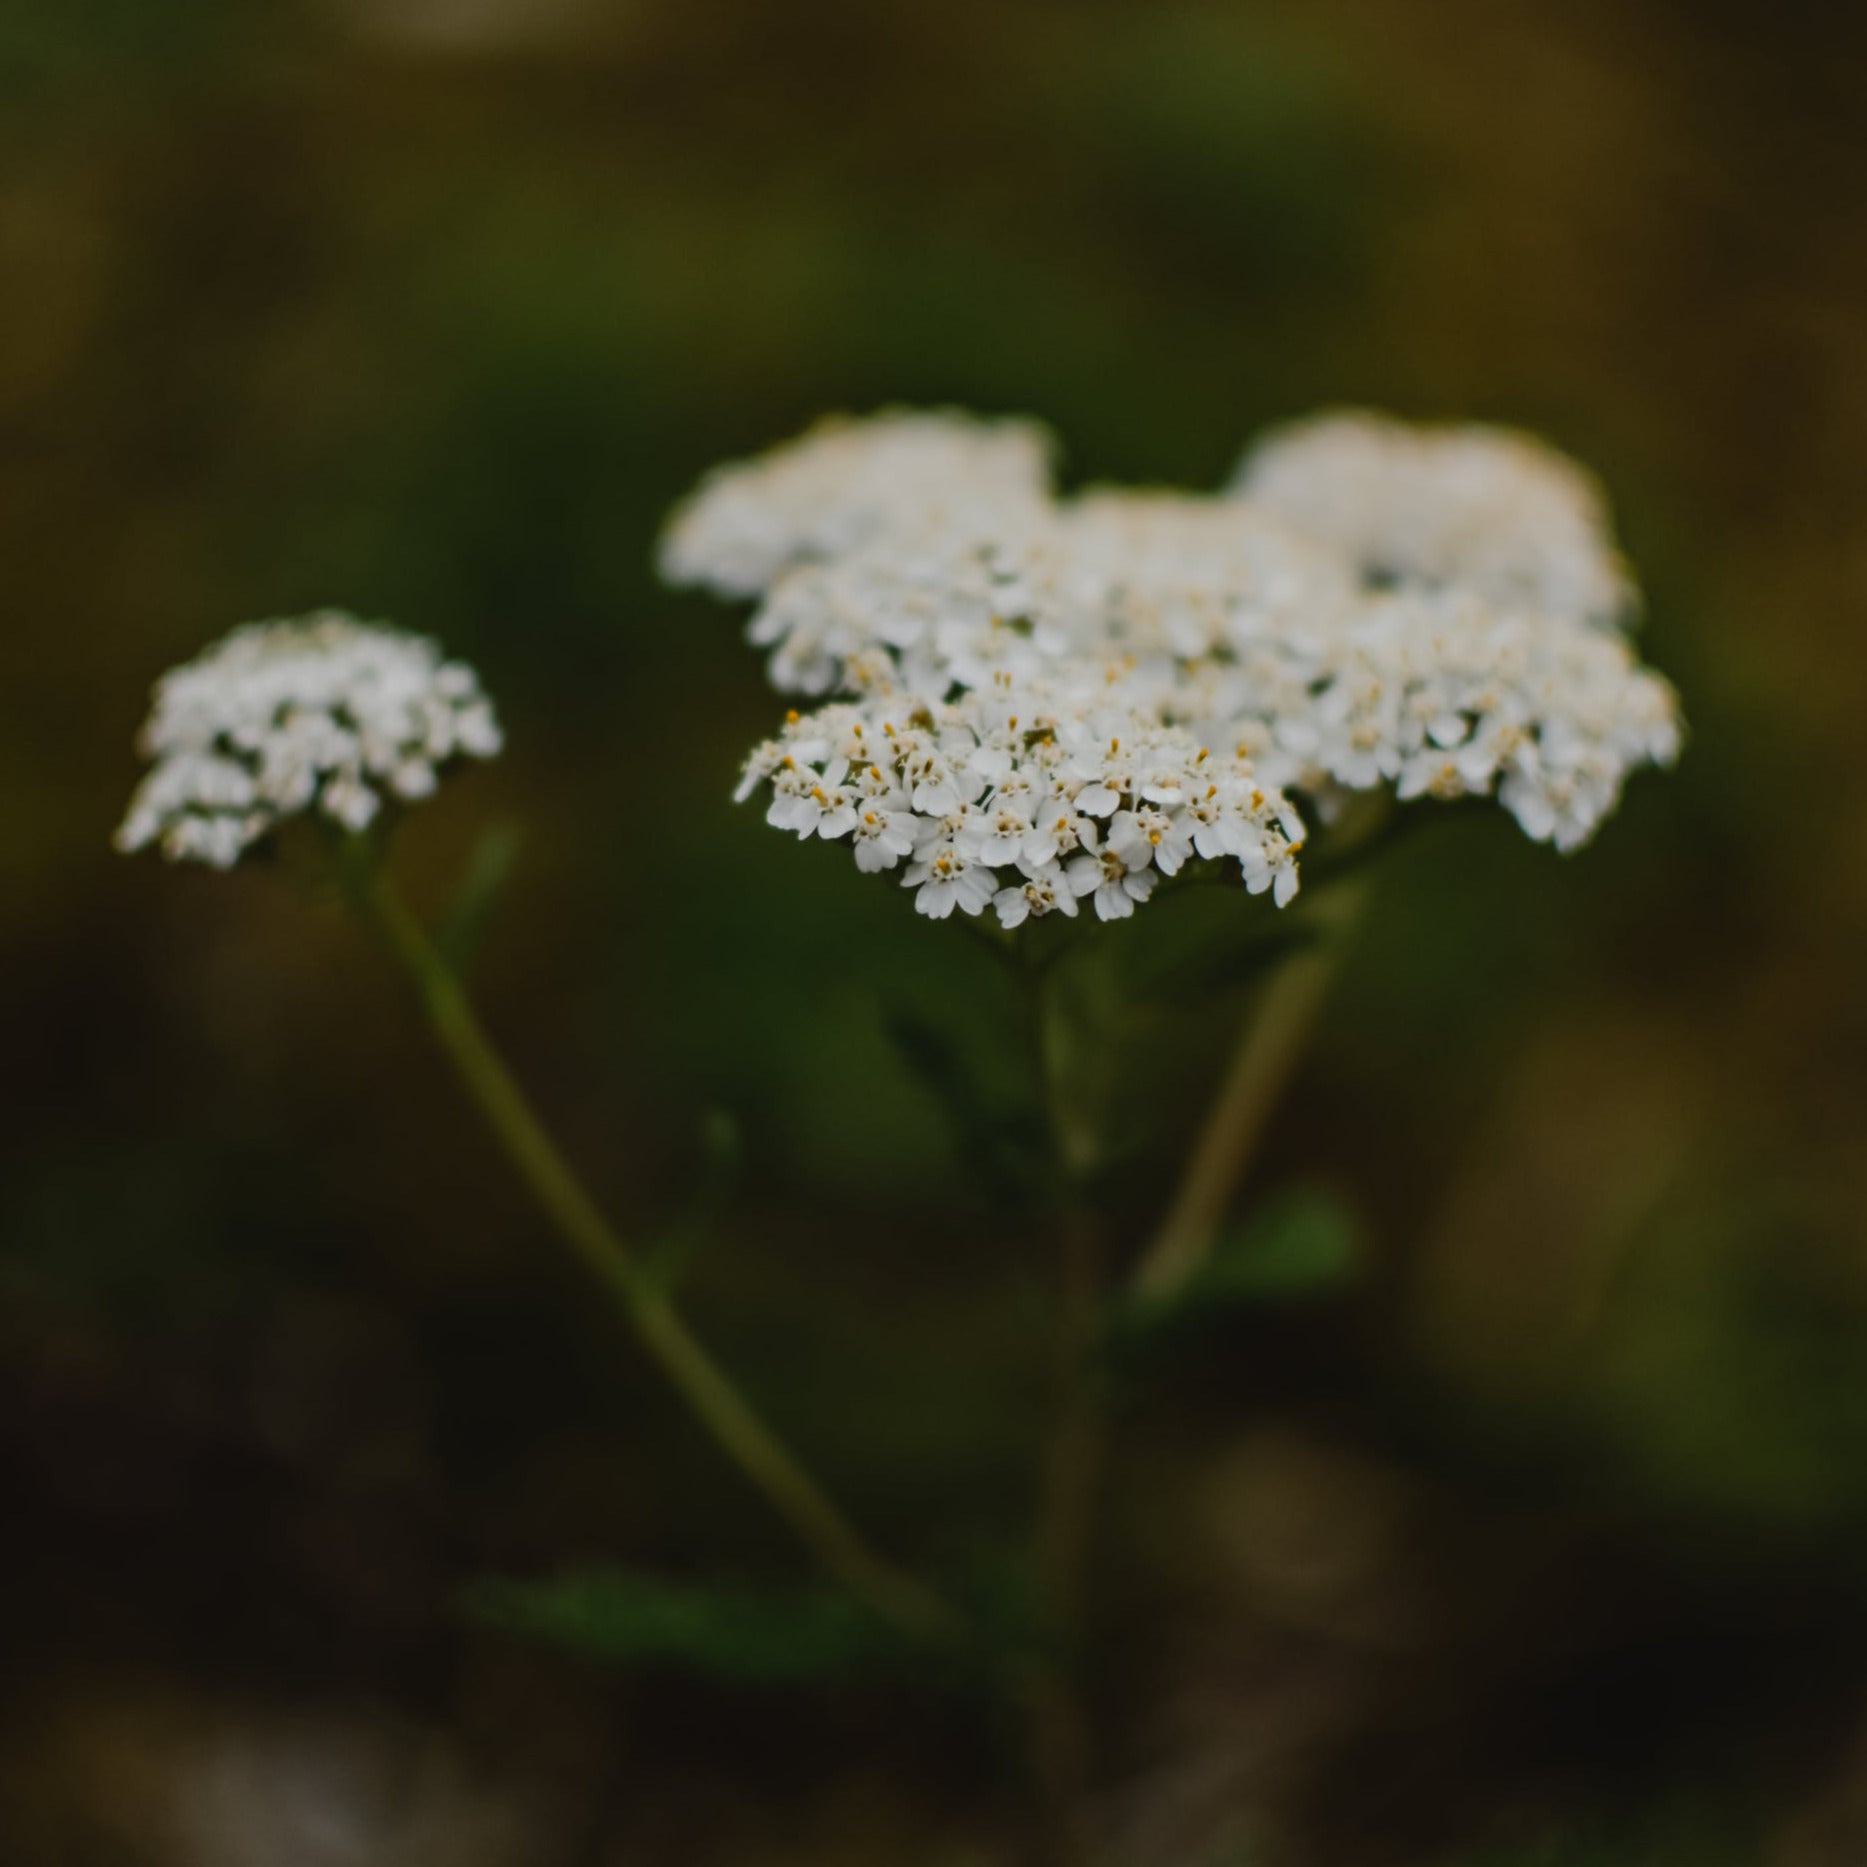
{"points": [[734, 1634], [1303, 1242], [1544, 1529], [483, 882]]}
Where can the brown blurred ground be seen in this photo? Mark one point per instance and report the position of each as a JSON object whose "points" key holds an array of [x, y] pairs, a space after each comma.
{"points": [[1543, 1543]]}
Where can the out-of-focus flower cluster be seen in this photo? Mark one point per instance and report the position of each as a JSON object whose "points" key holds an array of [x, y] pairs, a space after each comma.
{"points": [[322, 714], [847, 481], [1486, 510], [1046, 698]]}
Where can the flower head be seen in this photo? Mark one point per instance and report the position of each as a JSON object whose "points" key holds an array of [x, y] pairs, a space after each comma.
{"points": [[324, 714], [844, 481], [1024, 796], [1486, 510], [1048, 700]]}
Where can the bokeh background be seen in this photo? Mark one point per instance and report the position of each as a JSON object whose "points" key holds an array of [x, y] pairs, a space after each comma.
{"points": [[1533, 1535]]}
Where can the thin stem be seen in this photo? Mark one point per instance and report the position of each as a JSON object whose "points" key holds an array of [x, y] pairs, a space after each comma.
{"points": [[1272, 1041], [739, 1432], [1073, 1460], [1075, 1450], [1065, 1527]]}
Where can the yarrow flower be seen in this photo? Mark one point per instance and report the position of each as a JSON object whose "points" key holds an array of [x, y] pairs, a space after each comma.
{"points": [[1048, 700], [324, 714], [1486, 510], [1023, 798], [843, 482]]}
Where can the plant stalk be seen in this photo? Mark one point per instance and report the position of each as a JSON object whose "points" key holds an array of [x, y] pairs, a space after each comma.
{"points": [[1273, 1039], [711, 1395], [1073, 1459]]}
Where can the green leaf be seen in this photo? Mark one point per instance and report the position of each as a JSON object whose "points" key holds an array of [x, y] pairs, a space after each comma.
{"points": [[1305, 1242], [488, 870], [742, 1635], [1000, 1143], [722, 1153], [1211, 936]]}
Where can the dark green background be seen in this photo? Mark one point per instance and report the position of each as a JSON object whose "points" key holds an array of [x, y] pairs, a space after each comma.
{"points": [[1542, 1542]]}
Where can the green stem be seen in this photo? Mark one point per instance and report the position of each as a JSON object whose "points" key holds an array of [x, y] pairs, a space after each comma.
{"points": [[714, 1400], [1073, 1461], [1272, 1041]]}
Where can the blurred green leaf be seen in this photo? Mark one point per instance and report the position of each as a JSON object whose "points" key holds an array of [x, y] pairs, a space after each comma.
{"points": [[54, 47], [470, 913], [722, 1147], [1210, 936], [1303, 1244], [1002, 1144], [1702, 1830], [743, 1635]]}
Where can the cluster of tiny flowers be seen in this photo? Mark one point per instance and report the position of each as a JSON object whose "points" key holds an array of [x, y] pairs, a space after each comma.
{"points": [[322, 714], [1024, 797], [844, 482], [1141, 676], [1441, 695], [1487, 510]]}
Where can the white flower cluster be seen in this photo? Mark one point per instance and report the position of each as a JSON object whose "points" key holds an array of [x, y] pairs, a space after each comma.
{"points": [[845, 481], [1023, 796], [323, 713], [1487, 510], [1050, 698]]}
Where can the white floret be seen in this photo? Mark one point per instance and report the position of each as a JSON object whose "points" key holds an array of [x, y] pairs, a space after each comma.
{"points": [[324, 714]]}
